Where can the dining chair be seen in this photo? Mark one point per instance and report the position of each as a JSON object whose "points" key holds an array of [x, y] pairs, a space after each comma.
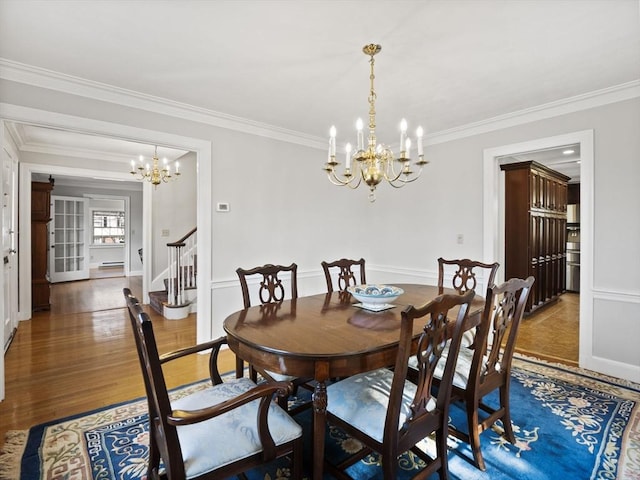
{"points": [[344, 271], [463, 274], [388, 413], [487, 366], [271, 291], [191, 434]]}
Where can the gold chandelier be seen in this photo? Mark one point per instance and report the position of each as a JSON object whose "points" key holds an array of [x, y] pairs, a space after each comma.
{"points": [[153, 173], [374, 162]]}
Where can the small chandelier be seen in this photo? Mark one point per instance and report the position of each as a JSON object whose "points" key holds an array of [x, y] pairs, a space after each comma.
{"points": [[153, 173], [374, 162]]}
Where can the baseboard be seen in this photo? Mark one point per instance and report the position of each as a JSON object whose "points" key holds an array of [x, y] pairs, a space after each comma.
{"points": [[610, 367]]}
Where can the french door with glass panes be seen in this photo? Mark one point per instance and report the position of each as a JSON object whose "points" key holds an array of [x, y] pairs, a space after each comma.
{"points": [[69, 253]]}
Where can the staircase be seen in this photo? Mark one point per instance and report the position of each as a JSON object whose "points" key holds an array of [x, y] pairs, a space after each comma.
{"points": [[177, 300]]}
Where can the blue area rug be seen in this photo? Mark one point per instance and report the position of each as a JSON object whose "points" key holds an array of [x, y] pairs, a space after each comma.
{"points": [[569, 424]]}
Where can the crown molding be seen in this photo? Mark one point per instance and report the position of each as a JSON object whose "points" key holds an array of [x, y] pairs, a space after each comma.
{"points": [[16, 131], [40, 77], [617, 93], [75, 153]]}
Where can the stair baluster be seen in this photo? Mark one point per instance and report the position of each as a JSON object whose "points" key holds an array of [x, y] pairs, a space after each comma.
{"points": [[182, 258]]}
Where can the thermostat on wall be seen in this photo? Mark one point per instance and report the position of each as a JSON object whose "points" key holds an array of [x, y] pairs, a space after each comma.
{"points": [[222, 207]]}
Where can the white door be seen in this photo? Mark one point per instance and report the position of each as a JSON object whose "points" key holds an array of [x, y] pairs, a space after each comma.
{"points": [[9, 270], [68, 235]]}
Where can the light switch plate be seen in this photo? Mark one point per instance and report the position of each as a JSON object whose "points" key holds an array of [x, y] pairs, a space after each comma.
{"points": [[222, 207]]}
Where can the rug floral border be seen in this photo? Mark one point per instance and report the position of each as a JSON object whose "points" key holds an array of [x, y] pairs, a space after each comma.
{"points": [[64, 452]]}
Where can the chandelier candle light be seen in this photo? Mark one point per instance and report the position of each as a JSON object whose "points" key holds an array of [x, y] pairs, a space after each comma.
{"points": [[153, 173], [374, 162]]}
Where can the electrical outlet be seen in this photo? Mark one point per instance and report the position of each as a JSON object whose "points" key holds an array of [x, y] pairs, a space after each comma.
{"points": [[460, 239]]}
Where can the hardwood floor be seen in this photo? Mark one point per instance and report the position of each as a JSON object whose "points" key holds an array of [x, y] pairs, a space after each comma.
{"points": [[552, 332], [74, 358], [81, 355]]}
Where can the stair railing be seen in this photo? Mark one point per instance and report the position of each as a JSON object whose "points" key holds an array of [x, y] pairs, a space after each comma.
{"points": [[182, 267]]}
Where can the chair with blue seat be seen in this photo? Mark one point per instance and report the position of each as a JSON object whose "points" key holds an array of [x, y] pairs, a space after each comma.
{"points": [[486, 366], [388, 413], [191, 434]]}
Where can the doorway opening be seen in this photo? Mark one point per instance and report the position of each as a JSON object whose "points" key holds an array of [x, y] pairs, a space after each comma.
{"points": [[494, 217]]}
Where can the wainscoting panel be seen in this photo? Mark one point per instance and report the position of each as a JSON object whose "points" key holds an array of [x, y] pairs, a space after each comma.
{"points": [[616, 316]]}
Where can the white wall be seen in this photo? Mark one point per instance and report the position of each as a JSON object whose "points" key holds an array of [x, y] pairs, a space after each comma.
{"points": [[454, 204], [283, 209], [174, 211]]}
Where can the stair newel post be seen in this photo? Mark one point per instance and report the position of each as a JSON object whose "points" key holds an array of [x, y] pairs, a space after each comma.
{"points": [[193, 248], [179, 279], [189, 257], [180, 276], [170, 283]]}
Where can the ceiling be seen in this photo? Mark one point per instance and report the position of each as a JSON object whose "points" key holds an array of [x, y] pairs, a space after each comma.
{"points": [[298, 65], [564, 159]]}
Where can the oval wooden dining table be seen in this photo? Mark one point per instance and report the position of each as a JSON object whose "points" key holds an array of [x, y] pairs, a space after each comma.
{"points": [[326, 336]]}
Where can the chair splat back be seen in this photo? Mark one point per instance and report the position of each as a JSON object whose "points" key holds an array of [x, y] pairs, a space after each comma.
{"points": [[435, 336], [346, 273], [502, 315], [486, 365], [271, 288], [464, 277]]}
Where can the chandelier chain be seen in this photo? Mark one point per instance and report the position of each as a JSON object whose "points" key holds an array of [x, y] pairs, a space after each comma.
{"points": [[372, 102]]}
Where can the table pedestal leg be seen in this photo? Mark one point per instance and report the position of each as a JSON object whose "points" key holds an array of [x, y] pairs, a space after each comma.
{"points": [[239, 367], [319, 421]]}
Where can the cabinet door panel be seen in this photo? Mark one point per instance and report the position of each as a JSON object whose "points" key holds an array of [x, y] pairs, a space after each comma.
{"points": [[546, 216]]}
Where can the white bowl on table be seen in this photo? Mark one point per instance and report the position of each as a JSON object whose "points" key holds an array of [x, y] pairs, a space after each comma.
{"points": [[375, 296]]}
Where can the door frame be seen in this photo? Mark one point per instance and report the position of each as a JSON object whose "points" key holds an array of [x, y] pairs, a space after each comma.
{"points": [[201, 147], [13, 274], [494, 220]]}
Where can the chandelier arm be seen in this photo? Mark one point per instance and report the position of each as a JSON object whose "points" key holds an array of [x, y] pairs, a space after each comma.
{"points": [[394, 176], [403, 182], [396, 185], [354, 186], [333, 178]]}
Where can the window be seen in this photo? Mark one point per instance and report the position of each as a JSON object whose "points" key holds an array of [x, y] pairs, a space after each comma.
{"points": [[108, 227]]}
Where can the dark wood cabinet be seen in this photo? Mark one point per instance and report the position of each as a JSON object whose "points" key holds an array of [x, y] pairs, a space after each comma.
{"points": [[40, 217], [535, 229], [573, 194]]}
